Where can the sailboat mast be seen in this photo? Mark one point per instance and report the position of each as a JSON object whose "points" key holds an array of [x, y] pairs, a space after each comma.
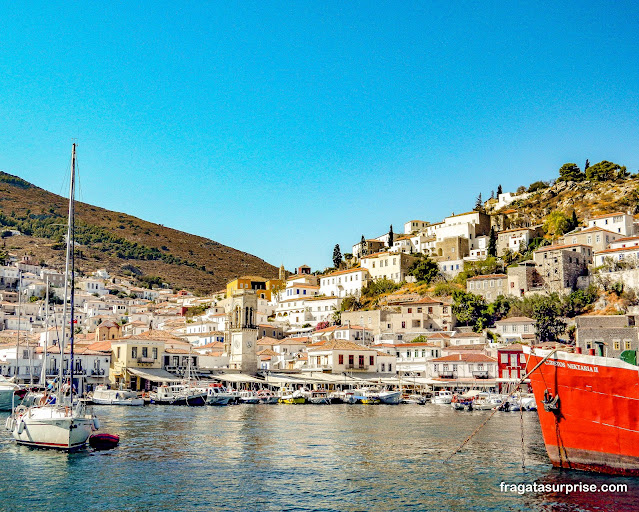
{"points": [[65, 325], [18, 338], [43, 372]]}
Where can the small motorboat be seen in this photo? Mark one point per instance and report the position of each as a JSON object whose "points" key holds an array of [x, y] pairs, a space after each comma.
{"points": [[103, 441]]}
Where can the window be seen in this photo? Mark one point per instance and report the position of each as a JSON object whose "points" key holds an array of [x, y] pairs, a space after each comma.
{"points": [[155, 353], [390, 367], [371, 360], [416, 353], [410, 310], [616, 345], [361, 360], [118, 353], [134, 352], [145, 352], [504, 358], [627, 345], [351, 359], [340, 359], [403, 325]]}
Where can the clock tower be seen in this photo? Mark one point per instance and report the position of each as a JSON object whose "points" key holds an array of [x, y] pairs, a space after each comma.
{"points": [[241, 335]]}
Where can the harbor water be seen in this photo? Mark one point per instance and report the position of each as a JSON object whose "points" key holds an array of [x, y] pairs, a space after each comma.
{"points": [[298, 458]]}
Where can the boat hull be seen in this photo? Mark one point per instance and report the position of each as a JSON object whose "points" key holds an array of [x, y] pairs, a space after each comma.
{"points": [[290, 400], [51, 428], [593, 425], [192, 401], [130, 402]]}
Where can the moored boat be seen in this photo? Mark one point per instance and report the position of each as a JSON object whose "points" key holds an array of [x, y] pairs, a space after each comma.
{"points": [[587, 410], [216, 394], [443, 397], [104, 396], [178, 394]]}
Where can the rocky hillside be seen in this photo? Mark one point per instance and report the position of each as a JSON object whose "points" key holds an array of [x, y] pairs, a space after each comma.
{"points": [[122, 244], [586, 198]]}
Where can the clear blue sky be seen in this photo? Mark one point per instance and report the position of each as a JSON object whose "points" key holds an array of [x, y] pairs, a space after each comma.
{"points": [[282, 128]]}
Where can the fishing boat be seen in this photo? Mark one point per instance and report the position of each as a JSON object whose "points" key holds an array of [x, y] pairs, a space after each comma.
{"points": [[216, 394], [178, 394], [10, 394], [249, 397], [65, 424], [289, 396], [587, 410], [104, 396], [319, 397], [443, 397], [389, 397], [266, 396]]}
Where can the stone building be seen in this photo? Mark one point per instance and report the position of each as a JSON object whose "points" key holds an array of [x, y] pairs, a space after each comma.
{"points": [[560, 265], [607, 336], [488, 286]]}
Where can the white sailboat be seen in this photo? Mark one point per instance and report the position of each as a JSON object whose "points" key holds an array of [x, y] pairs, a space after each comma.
{"points": [[62, 425]]}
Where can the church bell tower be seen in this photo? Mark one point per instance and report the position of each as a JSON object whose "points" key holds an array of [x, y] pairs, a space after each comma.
{"points": [[241, 336]]}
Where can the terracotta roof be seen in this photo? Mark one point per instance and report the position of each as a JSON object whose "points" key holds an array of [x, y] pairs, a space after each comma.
{"points": [[421, 344], [467, 358], [468, 335], [512, 230], [518, 347], [618, 249], [423, 300], [625, 238], [102, 346], [515, 320], [267, 352], [266, 340], [294, 341], [154, 334], [604, 215], [213, 344], [488, 276], [557, 247], [342, 345], [349, 271], [590, 230]]}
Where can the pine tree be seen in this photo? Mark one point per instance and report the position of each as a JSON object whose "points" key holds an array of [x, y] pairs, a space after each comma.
{"points": [[492, 243], [479, 204], [574, 222], [499, 190], [391, 236], [492, 194], [587, 165], [337, 256]]}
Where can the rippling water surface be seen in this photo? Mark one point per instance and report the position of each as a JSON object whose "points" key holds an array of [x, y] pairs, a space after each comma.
{"points": [[287, 457]]}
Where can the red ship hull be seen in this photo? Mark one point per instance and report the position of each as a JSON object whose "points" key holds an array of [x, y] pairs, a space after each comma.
{"points": [[594, 424]]}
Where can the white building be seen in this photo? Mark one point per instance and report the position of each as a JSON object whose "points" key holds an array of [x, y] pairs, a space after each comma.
{"points": [[617, 222], [312, 310], [344, 283], [385, 265], [345, 356]]}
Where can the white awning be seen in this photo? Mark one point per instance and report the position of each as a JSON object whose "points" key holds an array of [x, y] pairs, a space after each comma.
{"points": [[154, 374], [236, 377]]}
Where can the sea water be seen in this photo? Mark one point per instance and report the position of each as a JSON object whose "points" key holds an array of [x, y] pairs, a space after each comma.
{"points": [[298, 458]]}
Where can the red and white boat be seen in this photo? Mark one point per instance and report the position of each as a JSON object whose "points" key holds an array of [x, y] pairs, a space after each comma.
{"points": [[588, 409]]}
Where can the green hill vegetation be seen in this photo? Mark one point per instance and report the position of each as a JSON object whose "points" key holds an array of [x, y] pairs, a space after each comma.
{"points": [[122, 244]]}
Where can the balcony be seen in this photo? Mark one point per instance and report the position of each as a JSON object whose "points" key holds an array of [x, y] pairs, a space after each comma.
{"points": [[480, 375], [146, 360], [362, 367], [447, 374]]}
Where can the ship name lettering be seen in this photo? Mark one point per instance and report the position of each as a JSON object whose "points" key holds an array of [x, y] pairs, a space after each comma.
{"points": [[582, 367], [556, 363]]}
